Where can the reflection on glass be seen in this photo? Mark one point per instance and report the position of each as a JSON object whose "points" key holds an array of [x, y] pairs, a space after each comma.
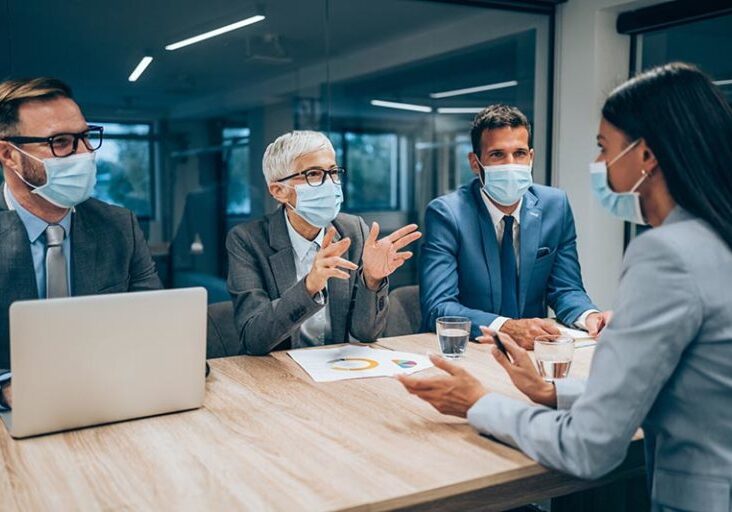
{"points": [[372, 163], [463, 146], [124, 167], [236, 158], [125, 129]]}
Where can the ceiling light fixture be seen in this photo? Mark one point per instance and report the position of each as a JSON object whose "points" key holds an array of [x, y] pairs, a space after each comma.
{"points": [[472, 90], [459, 110], [214, 33], [140, 69], [401, 106], [723, 82]]}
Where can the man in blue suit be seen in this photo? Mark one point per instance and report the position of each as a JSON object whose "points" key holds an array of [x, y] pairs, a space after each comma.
{"points": [[501, 249]]}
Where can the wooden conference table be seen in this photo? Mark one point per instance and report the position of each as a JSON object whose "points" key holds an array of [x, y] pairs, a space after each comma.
{"points": [[269, 438]]}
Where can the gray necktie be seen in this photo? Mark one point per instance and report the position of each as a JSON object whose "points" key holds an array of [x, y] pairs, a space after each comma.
{"points": [[56, 280]]}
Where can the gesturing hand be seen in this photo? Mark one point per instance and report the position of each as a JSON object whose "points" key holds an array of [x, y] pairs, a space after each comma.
{"points": [[596, 322], [328, 263], [454, 393], [382, 257], [521, 369]]}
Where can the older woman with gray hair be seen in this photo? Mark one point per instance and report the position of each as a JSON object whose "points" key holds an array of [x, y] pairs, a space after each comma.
{"points": [[308, 275]]}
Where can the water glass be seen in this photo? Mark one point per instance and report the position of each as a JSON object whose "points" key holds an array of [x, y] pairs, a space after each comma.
{"points": [[453, 333], [553, 356]]}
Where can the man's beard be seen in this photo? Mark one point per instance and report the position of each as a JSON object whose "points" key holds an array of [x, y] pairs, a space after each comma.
{"points": [[32, 171]]}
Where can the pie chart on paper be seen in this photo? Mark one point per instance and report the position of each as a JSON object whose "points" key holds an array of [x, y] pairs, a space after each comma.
{"points": [[404, 363], [344, 362], [352, 364]]}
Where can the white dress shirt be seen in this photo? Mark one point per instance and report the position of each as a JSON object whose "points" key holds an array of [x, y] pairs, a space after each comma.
{"points": [[313, 330], [499, 224]]}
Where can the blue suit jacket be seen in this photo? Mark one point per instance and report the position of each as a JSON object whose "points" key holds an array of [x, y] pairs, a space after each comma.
{"points": [[460, 268]]}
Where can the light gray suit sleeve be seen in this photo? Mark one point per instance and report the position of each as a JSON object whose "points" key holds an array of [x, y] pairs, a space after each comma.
{"points": [[370, 307], [568, 391], [658, 314]]}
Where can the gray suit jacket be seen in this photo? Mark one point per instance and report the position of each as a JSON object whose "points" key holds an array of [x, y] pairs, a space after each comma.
{"points": [[664, 363], [270, 304], [108, 255]]}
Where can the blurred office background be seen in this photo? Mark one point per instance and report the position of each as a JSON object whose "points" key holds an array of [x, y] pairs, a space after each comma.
{"points": [[394, 82]]}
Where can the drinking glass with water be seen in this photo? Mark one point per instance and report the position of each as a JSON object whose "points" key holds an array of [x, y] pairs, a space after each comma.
{"points": [[453, 333], [553, 356]]}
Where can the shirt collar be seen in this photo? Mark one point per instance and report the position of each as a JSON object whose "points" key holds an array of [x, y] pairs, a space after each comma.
{"points": [[496, 214], [35, 226], [300, 244]]}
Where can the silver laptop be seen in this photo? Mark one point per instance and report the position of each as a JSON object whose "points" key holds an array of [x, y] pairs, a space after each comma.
{"points": [[85, 361]]}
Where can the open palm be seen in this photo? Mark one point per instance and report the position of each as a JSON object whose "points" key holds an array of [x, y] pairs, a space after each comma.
{"points": [[382, 257]]}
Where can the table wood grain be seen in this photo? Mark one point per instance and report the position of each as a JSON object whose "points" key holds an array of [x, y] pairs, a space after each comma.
{"points": [[269, 438]]}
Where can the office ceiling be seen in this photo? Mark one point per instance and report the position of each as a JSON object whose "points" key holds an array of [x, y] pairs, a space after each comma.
{"points": [[95, 45]]}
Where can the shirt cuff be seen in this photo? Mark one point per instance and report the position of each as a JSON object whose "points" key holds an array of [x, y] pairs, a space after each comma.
{"points": [[581, 322], [498, 323], [568, 391], [384, 282], [320, 298]]}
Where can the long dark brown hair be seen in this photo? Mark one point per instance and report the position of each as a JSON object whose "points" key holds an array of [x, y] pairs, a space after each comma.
{"points": [[686, 121]]}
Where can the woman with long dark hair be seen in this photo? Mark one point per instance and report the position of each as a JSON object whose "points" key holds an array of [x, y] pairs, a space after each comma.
{"points": [[664, 362]]}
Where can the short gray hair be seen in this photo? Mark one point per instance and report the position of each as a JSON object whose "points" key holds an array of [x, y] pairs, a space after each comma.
{"points": [[279, 156]]}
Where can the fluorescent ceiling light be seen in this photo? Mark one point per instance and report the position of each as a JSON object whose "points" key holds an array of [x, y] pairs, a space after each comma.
{"points": [[459, 110], [401, 106], [723, 82], [472, 90], [214, 33], [140, 69]]}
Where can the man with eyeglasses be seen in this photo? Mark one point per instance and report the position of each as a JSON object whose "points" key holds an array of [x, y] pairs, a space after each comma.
{"points": [[308, 275], [56, 241]]}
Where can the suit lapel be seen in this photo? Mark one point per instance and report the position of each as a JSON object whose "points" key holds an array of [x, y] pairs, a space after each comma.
{"points": [[19, 278], [282, 262], [339, 295], [490, 245], [85, 242], [530, 233]]}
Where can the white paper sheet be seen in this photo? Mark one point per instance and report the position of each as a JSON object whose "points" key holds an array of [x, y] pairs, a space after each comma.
{"points": [[581, 338], [357, 362]]}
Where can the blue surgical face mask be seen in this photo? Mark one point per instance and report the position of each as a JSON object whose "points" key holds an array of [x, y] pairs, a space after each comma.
{"points": [[318, 205], [624, 205], [69, 180], [506, 184]]}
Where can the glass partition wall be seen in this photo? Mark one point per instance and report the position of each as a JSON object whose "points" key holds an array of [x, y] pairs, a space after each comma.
{"points": [[394, 83]]}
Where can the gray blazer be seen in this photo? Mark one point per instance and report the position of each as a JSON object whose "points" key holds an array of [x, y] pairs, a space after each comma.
{"points": [[664, 363], [108, 255], [270, 304]]}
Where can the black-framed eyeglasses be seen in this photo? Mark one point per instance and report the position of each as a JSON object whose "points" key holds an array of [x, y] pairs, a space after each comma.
{"points": [[64, 144], [315, 176]]}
